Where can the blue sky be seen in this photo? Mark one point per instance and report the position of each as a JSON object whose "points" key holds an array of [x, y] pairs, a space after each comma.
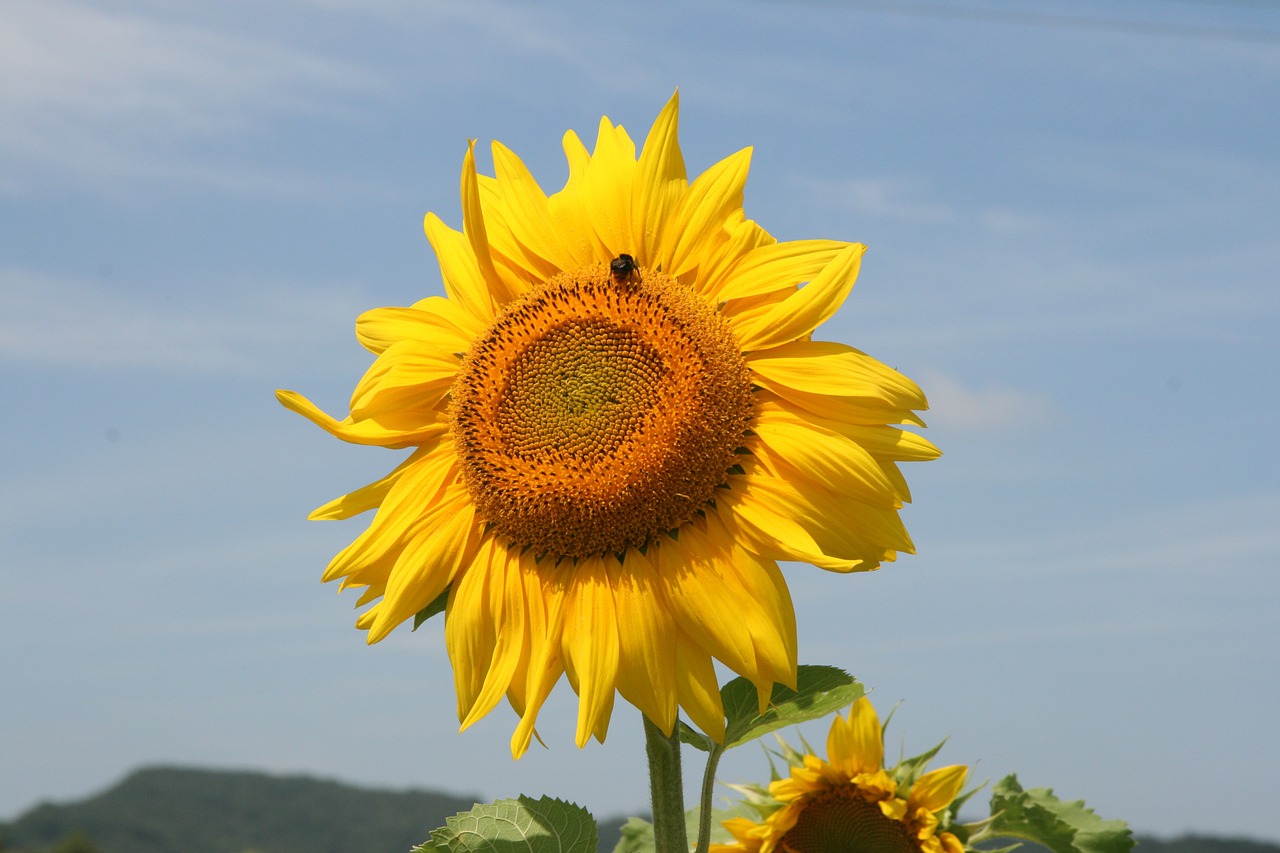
{"points": [[1073, 226]]}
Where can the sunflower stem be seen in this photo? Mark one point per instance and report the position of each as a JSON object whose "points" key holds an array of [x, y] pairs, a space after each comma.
{"points": [[704, 802], [666, 786]]}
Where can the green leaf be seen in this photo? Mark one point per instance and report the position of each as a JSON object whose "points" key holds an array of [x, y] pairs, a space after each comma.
{"points": [[525, 825], [637, 837], [820, 690], [1064, 827], [436, 606]]}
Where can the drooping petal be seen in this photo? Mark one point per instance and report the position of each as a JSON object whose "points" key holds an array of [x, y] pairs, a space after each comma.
{"points": [[416, 426], [429, 562], [367, 497], [697, 688], [472, 625], [646, 640], [590, 644], [541, 667]]}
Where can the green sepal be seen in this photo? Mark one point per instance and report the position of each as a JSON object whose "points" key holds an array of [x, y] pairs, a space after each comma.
{"points": [[436, 606], [1062, 826], [524, 825], [820, 690]]}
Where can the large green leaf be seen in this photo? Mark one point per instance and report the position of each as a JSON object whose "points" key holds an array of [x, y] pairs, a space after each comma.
{"points": [[525, 825], [820, 690], [1062, 826]]}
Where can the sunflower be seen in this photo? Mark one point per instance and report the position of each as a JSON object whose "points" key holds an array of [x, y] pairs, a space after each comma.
{"points": [[619, 425], [849, 803]]}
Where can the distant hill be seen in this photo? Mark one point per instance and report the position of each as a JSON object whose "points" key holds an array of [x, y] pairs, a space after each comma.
{"points": [[175, 810]]}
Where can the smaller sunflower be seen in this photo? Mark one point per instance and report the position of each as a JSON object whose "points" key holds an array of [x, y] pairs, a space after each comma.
{"points": [[850, 803]]}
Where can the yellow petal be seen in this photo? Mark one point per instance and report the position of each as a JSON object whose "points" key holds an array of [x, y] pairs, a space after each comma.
{"points": [[464, 281], [429, 562], [435, 320], [569, 215], [528, 214], [707, 206], [824, 456], [411, 427], [769, 514], [824, 367], [646, 640], [471, 626], [660, 184], [419, 485], [856, 744], [741, 237], [473, 226], [779, 265], [606, 189], [409, 373], [590, 645], [367, 497], [731, 603], [803, 311], [542, 667], [936, 789], [697, 687]]}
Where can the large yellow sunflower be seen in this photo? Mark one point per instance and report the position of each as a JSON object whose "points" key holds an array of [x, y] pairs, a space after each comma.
{"points": [[849, 803], [619, 424]]}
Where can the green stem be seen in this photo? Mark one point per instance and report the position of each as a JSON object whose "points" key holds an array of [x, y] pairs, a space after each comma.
{"points": [[704, 803], [666, 786]]}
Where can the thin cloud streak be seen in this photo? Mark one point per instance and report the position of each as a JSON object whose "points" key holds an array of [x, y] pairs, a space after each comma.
{"points": [[87, 92], [78, 323]]}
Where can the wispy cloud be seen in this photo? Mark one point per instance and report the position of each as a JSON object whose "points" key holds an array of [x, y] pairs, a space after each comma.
{"points": [[75, 322], [988, 408], [909, 200], [91, 93]]}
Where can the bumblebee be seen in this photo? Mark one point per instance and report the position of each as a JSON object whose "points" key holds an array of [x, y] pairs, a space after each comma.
{"points": [[624, 269]]}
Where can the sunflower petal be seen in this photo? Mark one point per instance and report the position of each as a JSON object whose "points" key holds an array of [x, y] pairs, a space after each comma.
{"points": [[710, 200], [590, 644], [660, 184], [803, 311], [646, 640], [856, 744], [936, 789]]}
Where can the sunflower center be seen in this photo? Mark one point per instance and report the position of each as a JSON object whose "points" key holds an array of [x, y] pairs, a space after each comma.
{"points": [[838, 820], [598, 412]]}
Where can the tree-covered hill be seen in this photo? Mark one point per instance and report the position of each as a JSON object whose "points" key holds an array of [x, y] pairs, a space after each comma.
{"points": [[173, 810]]}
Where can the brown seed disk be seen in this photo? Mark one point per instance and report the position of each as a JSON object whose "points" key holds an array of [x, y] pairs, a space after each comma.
{"points": [[839, 820], [592, 416]]}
